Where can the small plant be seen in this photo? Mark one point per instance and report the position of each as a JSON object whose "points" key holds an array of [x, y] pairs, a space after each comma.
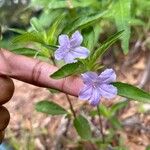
{"points": [[71, 42]]}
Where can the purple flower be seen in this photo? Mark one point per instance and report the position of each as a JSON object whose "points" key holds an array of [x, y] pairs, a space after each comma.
{"points": [[70, 49], [97, 86]]}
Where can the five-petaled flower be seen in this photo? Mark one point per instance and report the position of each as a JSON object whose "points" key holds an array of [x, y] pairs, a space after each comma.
{"points": [[97, 86], [70, 49]]}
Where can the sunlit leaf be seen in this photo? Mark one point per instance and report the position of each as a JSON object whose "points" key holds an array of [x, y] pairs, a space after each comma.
{"points": [[54, 29], [35, 23], [122, 15], [19, 31]]}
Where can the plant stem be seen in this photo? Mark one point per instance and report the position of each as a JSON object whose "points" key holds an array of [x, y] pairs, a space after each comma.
{"points": [[101, 125], [53, 61], [71, 107], [69, 101]]}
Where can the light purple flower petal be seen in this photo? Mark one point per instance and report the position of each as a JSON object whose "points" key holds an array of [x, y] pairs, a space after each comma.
{"points": [[95, 97], [107, 76], [69, 58], [80, 52], [85, 93], [60, 53], [64, 40], [76, 39], [70, 49], [88, 77], [108, 91], [98, 86]]}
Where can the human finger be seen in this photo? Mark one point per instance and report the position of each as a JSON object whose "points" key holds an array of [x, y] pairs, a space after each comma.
{"points": [[2, 134], [38, 73], [4, 118], [7, 88]]}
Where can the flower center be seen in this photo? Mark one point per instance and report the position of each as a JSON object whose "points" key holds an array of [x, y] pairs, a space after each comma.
{"points": [[95, 83]]}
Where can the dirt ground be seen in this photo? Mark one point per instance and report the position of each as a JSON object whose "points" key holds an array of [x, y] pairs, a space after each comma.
{"points": [[29, 129]]}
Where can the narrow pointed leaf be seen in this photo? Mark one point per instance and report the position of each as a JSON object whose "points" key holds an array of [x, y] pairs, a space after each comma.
{"points": [[67, 70], [50, 108], [105, 45], [55, 29], [35, 23], [28, 37], [132, 92], [84, 22], [19, 31], [122, 14], [25, 51]]}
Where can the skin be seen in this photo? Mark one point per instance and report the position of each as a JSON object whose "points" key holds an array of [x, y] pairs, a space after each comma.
{"points": [[31, 71]]}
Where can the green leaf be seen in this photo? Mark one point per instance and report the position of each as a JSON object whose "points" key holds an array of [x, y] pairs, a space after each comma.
{"points": [[148, 147], [53, 31], [122, 15], [25, 51], [88, 36], [28, 37], [104, 111], [67, 70], [115, 122], [19, 31], [55, 4], [84, 22], [132, 92], [105, 45], [118, 106], [0, 32], [50, 107], [82, 127], [50, 47], [35, 23], [91, 36], [137, 22]]}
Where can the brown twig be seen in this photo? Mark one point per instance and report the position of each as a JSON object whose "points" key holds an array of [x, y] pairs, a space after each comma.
{"points": [[71, 107], [101, 125]]}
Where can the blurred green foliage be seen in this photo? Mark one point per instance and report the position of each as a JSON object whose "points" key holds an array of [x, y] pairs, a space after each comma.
{"points": [[132, 16], [121, 14], [12, 11]]}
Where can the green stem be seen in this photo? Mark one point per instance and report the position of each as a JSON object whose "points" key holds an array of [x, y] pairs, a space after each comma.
{"points": [[67, 96]]}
